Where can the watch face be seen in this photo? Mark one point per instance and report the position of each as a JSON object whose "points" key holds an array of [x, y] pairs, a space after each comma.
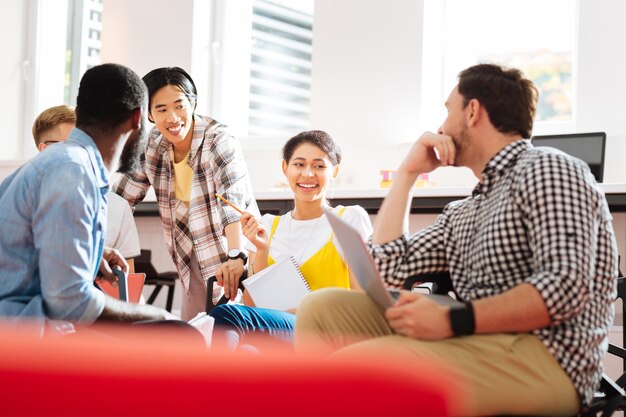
{"points": [[233, 253]]}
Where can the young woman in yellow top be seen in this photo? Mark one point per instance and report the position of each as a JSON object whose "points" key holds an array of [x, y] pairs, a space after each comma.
{"points": [[310, 164]]}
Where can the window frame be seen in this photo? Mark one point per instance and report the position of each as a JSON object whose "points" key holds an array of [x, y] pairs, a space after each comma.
{"points": [[231, 54], [433, 73]]}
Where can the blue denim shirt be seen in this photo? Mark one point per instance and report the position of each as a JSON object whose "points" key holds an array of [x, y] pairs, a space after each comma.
{"points": [[52, 220]]}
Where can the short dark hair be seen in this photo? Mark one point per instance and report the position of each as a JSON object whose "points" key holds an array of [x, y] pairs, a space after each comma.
{"points": [[509, 97], [108, 95], [318, 138], [160, 77]]}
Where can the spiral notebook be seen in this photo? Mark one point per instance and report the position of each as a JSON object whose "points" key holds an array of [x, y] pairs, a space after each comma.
{"points": [[280, 286]]}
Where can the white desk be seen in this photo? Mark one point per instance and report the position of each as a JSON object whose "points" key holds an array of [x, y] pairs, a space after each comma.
{"points": [[425, 200]]}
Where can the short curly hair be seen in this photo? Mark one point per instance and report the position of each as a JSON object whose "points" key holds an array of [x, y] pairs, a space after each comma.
{"points": [[108, 95]]}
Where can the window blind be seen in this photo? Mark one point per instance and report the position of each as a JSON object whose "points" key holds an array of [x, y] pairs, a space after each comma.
{"points": [[280, 71]]}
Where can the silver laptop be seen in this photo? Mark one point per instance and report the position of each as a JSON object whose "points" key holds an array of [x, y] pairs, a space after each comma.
{"points": [[363, 267]]}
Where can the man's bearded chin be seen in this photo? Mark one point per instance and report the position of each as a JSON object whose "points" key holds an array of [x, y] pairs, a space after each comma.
{"points": [[460, 143], [131, 154]]}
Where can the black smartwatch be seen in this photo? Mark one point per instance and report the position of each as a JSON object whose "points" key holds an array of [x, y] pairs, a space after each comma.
{"points": [[462, 319], [237, 254]]}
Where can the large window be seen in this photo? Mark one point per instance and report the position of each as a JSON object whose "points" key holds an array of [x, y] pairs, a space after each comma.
{"points": [[83, 43], [261, 64], [58, 42], [280, 69], [538, 37], [12, 71]]}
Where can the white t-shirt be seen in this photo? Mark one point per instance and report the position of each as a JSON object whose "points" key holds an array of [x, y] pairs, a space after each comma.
{"points": [[303, 238], [121, 230]]}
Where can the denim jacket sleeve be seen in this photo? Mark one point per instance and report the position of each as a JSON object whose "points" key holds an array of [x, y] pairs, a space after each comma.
{"points": [[66, 234]]}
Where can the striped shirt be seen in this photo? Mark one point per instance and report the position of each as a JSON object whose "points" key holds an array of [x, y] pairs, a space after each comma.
{"points": [[537, 217], [218, 167]]}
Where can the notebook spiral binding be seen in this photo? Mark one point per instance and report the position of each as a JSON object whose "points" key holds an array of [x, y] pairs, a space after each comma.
{"points": [[295, 263]]}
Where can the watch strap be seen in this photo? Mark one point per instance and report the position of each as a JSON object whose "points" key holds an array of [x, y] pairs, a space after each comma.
{"points": [[241, 256], [462, 319]]}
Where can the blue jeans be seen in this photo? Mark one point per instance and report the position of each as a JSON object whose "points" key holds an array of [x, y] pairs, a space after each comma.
{"points": [[234, 321]]}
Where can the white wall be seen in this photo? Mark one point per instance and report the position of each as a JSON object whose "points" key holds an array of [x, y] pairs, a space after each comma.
{"points": [[366, 92], [602, 79], [366, 82], [367, 77], [12, 33], [366, 74], [147, 34]]}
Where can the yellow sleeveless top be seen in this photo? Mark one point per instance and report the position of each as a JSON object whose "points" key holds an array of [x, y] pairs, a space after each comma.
{"points": [[325, 268]]}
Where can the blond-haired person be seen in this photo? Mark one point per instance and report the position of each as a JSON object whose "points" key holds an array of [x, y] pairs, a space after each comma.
{"points": [[53, 125]]}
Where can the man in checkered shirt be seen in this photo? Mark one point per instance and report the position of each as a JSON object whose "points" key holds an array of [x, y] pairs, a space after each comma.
{"points": [[532, 255]]}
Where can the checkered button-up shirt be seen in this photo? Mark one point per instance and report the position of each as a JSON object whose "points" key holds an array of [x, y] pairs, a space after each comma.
{"points": [[218, 167], [537, 217]]}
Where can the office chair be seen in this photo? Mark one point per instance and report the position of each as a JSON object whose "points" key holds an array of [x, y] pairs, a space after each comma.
{"points": [[143, 263], [210, 305], [609, 398], [441, 282]]}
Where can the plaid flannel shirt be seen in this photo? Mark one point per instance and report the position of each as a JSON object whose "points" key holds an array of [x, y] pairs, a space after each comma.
{"points": [[537, 217], [219, 167]]}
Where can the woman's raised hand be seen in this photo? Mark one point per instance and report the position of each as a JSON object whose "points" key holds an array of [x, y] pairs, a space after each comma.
{"points": [[254, 231]]}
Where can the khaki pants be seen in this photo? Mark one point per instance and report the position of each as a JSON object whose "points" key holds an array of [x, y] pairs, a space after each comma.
{"points": [[503, 373], [194, 301]]}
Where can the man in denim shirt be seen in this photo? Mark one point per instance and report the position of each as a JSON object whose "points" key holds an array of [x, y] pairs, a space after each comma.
{"points": [[53, 210]]}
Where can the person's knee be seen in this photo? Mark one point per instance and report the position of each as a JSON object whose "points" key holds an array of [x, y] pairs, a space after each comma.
{"points": [[320, 297], [226, 315], [331, 311], [319, 303]]}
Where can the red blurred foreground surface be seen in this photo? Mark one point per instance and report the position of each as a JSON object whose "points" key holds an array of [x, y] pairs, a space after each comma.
{"points": [[157, 373]]}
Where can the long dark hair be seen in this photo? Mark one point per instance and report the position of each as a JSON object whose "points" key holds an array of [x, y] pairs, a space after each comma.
{"points": [[161, 77]]}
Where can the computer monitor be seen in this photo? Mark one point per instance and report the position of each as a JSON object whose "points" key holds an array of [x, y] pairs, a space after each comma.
{"points": [[586, 146]]}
